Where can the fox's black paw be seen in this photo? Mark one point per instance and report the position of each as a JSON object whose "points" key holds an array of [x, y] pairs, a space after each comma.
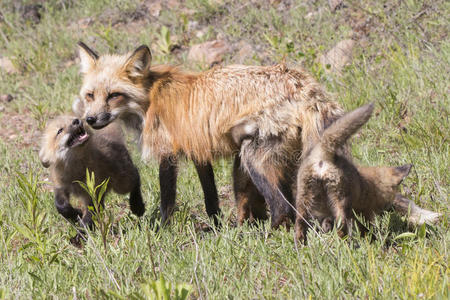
{"points": [[137, 206]]}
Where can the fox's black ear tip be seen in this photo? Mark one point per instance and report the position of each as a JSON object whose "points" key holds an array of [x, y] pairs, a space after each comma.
{"points": [[143, 47], [405, 169], [370, 106]]}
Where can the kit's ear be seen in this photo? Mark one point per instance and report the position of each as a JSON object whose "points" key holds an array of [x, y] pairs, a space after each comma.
{"points": [[87, 57], [398, 174]]}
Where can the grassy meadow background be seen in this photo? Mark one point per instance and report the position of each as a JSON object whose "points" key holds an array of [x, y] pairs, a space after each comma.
{"points": [[400, 60]]}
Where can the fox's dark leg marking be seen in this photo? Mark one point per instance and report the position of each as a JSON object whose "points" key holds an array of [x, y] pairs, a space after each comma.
{"points": [[206, 175], [168, 169], [62, 203], [137, 205]]}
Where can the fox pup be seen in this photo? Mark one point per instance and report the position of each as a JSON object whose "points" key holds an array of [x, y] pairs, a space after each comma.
{"points": [[68, 148], [194, 115], [330, 185]]}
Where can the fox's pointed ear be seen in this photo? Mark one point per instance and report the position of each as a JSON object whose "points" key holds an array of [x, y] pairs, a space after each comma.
{"points": [[87, 57], [139, 62], [400, 173]]}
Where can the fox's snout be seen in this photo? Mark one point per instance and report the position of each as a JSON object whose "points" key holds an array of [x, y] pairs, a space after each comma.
{"points": [[91, 120], [100, 120], [76, 122]]}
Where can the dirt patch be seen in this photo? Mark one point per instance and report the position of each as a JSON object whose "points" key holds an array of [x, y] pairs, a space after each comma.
{"points": [[20, 129]]}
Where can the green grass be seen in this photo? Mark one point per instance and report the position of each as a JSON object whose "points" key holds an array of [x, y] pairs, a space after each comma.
{"points": [[401, 62]]}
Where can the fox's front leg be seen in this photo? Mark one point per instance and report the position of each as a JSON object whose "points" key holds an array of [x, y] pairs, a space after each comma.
{"points": [[206, 175], [168, 169], [62, 203]]}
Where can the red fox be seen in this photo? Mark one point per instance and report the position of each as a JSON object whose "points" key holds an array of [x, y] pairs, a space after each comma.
{"points": [[68, 148], [195, 114], [330, 185]]}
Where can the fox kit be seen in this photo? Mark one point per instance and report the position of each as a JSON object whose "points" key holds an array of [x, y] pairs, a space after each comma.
{"points": [[330, 185], [68, 148], [197, 115]]}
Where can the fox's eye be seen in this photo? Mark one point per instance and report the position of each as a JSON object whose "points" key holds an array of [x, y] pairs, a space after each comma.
{"points": [[112, 96], [59, 131], [90, 96]]}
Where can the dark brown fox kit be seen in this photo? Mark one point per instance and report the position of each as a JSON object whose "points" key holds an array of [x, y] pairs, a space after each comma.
{"points": [[330, 185], [68, 148]]}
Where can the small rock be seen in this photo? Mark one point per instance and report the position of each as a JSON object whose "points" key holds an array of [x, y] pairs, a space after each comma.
{"points": [[7, 65], [85, 22], [314, 14], [200, 33], [6, 98], [335, 4], [2, 108], [339, 56], [209, 52], [192, 25], [13, 136], [153, 7]]}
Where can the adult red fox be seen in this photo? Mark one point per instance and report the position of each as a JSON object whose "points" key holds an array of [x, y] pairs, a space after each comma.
{"points": [[266, 117]]}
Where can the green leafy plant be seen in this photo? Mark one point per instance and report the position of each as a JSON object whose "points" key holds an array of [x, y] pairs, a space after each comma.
{"points": [[101, 218], [162, 290], [164, 42], [34, 227]]}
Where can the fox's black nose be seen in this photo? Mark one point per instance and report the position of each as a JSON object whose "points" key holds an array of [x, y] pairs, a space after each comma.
{"points": [[75, 122], [91, 120]]}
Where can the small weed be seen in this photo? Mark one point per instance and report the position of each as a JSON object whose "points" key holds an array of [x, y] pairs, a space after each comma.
{"points": [[163, 290], [34, 226], [102, 218], [164, 42]]}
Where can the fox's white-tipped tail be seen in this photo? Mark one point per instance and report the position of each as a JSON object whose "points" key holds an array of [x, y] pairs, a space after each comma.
{"points": [[415, 214], [420, 216]]}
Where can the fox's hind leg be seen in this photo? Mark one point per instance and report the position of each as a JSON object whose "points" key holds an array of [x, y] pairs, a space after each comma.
{"points": [[309, 192], [125, 179], [137, 205], [62, 203], [168, 169], [206, 175], [250, 203], [340, 205]]}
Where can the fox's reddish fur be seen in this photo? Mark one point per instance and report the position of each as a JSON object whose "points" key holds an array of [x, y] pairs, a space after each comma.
{"points": [[194, 114]]}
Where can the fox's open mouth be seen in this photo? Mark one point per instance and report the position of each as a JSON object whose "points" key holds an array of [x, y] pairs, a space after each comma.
{"points": [[78, 137]]}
